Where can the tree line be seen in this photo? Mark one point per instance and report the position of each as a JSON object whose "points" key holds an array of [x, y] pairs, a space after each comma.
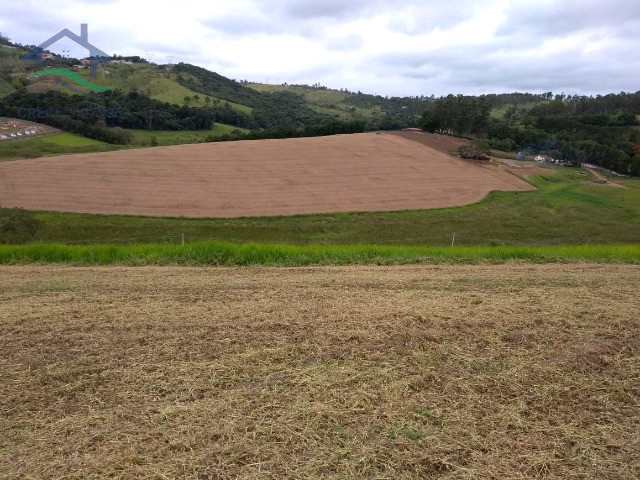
{"points": [[277, 110], [600, 130], [96, 114], [107, 116], [288, 111]]}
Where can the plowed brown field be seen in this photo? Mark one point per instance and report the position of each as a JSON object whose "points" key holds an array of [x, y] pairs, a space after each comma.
{"points": [[343, 173], [408, 373]]}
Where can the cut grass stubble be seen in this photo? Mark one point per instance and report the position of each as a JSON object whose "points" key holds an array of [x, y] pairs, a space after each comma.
{"points": [[407, 373]]}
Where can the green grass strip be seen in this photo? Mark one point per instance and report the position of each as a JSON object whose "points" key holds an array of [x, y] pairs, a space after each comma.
{"points": [[215, 253], [72, 76]]}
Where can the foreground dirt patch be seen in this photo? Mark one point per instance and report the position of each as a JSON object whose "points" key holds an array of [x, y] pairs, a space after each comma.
{"points": [[404, 372], [343, 173]]}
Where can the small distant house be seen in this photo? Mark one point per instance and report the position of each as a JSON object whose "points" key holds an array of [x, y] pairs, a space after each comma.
{"points": [[543, 159], [47, 56]]}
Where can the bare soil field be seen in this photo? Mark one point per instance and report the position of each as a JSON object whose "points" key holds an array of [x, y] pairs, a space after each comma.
{"points": [[441, 143], [451, 372], [343, 173]]}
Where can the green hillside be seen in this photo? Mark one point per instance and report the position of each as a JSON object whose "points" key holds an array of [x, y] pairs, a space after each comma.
{"points": [[211, 83], [165, 137], [55, 144], [71, 76], [10, 68], [283, 108], [8, 51], [55, 84], [5, 88], [67, 143], [327, 101], [156, 82]]}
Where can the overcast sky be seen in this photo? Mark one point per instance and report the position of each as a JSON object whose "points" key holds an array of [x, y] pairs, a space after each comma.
{"points": [[408, 47]]}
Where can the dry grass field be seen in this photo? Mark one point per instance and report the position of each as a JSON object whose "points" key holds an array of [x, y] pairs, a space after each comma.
{"points": [[449, 372], [342, 173]]}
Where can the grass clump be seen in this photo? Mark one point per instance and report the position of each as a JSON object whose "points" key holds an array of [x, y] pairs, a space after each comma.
{"points": [[17, 226], [179, 137], [218, 253]]}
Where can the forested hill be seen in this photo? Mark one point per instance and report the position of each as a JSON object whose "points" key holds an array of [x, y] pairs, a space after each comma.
{"points": [[269, 110], [600, 130], [141, 95], [234, 103]]}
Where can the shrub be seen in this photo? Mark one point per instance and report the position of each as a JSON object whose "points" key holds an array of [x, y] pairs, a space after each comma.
{"points": [[634, 169], [17, 226], [473, 152], [503, 144], [116, 135]]}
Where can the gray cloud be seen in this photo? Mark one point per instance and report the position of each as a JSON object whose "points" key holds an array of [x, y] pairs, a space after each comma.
{"points": [[385, 47], [489, 69], [237, 24], [326, 9], [314, 9], [564, 17], [427, 16], [347, 42]]}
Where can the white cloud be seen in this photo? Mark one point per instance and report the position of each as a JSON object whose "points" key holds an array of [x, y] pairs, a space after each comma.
{"points": [[391, 47]]}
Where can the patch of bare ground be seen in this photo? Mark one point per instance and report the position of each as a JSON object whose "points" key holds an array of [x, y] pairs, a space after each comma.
{"points": [[599, 178], [450, 145], [524, 169], [15, 126], [341, 173], [441, 143], [452, 372]]}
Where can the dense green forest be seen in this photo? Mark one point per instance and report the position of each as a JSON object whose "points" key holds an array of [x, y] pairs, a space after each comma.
{"points": [[275, 111], [95, 115], [286, 110], [106, 116], [600, 130]]}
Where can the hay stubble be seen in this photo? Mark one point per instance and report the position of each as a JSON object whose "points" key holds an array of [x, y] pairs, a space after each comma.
{"points": [[351, 372]]}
